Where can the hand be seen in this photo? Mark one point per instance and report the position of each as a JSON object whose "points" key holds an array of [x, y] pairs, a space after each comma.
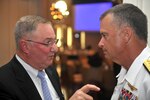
{"points": [[81, 93]]}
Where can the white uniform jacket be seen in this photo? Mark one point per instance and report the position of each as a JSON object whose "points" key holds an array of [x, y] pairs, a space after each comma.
{"points": [[134, 84]]}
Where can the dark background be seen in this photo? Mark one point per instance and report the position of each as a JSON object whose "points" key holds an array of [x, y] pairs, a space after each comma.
{"points": [[88, 1]]}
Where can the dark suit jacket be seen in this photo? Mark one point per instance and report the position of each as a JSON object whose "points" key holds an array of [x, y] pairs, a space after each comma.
{"points": [[16, 84]]}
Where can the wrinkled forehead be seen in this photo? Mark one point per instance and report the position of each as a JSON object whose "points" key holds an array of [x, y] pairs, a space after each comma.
{"points": [[43, 31]]}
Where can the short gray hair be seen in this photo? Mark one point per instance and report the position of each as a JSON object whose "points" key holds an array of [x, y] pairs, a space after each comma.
{"points": [[26, 25], [130, 15]]}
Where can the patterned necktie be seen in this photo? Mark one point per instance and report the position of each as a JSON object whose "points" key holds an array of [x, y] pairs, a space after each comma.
{"points": [[45, 89]]}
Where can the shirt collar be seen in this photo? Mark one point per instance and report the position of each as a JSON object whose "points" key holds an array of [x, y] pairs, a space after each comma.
{"points": [[31, 71], [121, 75]]}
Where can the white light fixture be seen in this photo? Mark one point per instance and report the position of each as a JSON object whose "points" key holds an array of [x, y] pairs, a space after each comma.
{"points": [[69, 37], [61, 5], [59, 10], [82, 40]]}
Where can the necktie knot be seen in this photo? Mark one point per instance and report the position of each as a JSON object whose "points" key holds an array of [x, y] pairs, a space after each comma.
{"points": [[41, 74]]}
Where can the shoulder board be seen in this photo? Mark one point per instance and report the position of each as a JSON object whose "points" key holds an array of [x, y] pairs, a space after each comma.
{"points": [[147, 65]]}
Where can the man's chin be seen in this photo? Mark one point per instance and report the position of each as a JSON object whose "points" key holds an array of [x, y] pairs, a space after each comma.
{"points": [[107, 56], [49, 63]]}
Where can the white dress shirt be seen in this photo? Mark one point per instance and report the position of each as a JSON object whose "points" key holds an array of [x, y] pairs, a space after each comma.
{"points": [[33, 75]]}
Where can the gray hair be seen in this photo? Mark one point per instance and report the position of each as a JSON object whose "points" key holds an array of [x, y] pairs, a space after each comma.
{"points": [[26, 25], [129, 15]]}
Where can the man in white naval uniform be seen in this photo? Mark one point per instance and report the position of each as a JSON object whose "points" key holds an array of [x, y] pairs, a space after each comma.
{"points": [[124, 40]]}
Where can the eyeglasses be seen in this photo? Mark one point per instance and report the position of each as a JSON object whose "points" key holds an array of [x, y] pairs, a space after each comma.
{"points": [[48, 44]]}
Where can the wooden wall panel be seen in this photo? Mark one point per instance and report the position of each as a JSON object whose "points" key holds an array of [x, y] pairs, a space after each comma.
{"points": [[4, 31], [12, 17]]}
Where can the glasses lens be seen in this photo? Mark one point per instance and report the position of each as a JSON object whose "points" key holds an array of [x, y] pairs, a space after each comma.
{"points": [[55, 41], [50, 43]]}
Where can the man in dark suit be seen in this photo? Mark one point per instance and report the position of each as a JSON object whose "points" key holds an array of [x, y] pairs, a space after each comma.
{"points": [[36, 47], [35, 50]]}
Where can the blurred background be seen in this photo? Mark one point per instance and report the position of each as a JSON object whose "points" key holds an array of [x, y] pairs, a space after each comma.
{"points": [[76, 22]]}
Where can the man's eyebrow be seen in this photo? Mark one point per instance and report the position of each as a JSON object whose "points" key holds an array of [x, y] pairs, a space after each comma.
{"points": [[103, 33], [49, 39]]}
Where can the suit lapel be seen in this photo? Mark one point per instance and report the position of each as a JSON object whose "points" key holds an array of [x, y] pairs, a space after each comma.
{"points": [[24, 81]]}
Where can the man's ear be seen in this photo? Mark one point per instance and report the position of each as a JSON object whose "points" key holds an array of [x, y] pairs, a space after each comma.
{"points": [[128, 32], [24, 46]]}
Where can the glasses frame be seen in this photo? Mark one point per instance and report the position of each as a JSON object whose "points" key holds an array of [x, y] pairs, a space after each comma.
{"points": [[50, 43]]}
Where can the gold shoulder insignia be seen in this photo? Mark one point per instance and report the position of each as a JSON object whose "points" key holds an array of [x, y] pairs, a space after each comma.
{"points": [[147, 65], [132, 87]]}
